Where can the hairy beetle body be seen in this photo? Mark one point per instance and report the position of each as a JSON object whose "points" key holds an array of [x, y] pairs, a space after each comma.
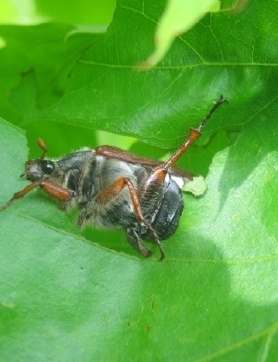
{"points": [[87, 175]]}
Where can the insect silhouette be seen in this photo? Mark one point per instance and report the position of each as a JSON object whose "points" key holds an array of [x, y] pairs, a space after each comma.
{"points": [[113, 188]]}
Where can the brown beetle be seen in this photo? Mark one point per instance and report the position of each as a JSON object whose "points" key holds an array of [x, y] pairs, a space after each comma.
{"points": [[115, 189]]}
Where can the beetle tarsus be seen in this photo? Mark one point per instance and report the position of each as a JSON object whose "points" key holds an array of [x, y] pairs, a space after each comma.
{"points": [[216, 105], [134, 240]]}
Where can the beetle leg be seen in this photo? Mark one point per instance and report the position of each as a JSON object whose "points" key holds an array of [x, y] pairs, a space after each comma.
{"points": [[111, 191], [193, 136], [121, 155], [155, 181], [135, 241], [20, 194], [56, 191]]}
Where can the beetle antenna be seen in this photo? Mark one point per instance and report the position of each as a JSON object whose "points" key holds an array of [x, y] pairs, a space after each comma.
{"points": [[42, 145]]}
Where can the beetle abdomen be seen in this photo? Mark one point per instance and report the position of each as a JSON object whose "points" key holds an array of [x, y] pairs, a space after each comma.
{"points": [[165, 218]]}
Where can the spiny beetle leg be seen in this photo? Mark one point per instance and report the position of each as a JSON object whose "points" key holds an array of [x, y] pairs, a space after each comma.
{"points": [[154, 183], [193, 135], [20, 194], [56, 191], [135, 241], [111, 191]]}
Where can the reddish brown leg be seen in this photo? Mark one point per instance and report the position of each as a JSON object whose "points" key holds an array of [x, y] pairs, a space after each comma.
{"points": [[193, 136], [56, 191], [156, 179], [158, 176], [111, 191], [20, 194]]}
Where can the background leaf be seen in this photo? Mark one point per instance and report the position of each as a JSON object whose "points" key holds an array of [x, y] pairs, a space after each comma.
{"points": [[178, 17], [106, 93], [71, 296]]}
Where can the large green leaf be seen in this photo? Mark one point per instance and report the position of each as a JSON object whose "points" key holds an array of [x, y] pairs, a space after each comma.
{"points": [[234, 55], [214, 297], [71, 296]]}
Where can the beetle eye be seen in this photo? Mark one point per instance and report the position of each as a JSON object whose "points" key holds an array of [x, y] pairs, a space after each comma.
{"points": [[47, 167]]}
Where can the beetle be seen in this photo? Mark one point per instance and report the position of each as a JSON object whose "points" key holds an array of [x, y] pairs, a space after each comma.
{"points": [[116, 189]]}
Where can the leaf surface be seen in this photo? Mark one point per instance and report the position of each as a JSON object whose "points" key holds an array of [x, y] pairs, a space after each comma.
{"points": [[67, 295]]}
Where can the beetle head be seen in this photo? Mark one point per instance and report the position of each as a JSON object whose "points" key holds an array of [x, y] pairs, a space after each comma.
{"points": [[38, 169]]}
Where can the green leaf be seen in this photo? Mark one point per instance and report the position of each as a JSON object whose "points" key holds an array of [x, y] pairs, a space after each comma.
{"points": [[67, 295], [35, 63], [178, 17], [233, 55]]}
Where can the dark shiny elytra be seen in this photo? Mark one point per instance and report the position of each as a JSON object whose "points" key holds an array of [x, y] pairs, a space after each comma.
{"points": [[115, 189]]}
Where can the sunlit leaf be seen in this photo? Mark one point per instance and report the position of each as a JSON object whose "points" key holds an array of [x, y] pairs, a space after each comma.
{"points": [[178, 17]]}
